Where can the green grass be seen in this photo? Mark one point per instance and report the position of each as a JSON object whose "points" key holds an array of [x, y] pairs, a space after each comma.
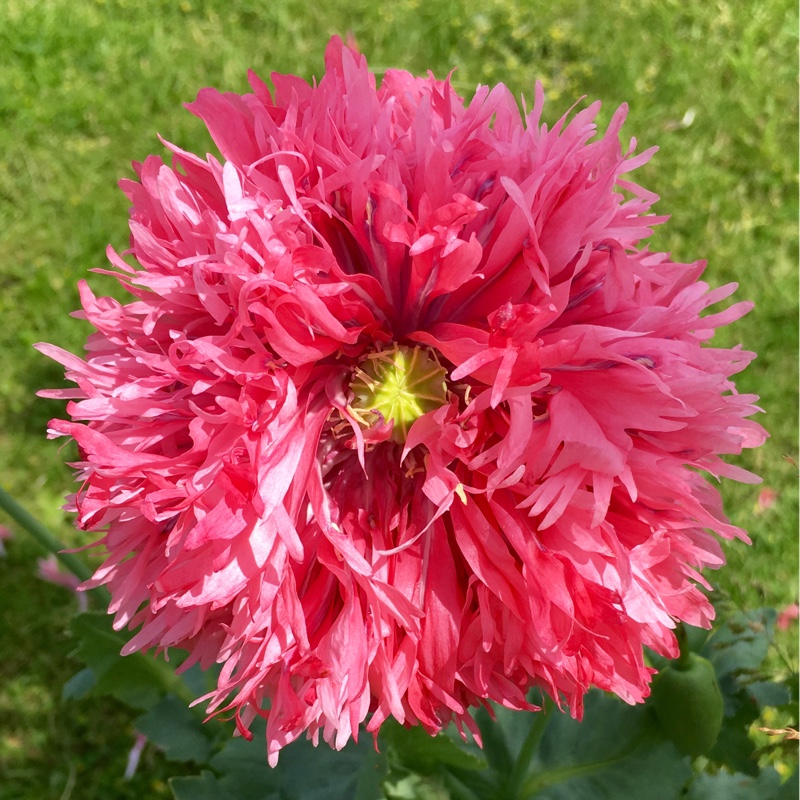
{"points": [[84, 88]]}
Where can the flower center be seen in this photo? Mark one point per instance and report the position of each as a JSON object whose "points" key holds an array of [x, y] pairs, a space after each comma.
{"points": [[401, 384]]}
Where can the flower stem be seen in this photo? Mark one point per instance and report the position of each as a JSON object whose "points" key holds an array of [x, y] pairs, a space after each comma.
{"points": [[523, 761], [46, 539], [682, 661]]}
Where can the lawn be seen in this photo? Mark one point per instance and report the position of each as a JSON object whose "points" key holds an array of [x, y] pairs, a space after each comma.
{"points": [[86, 86]]}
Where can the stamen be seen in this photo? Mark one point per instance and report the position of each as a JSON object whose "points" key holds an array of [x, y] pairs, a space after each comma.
{"points": [[402, 384]]}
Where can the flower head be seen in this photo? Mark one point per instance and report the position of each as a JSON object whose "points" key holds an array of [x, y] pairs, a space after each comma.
{"points": [[402, 416]]}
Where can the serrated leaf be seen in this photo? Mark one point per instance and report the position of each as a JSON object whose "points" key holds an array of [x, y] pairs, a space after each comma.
{"points": [[724, 786], [248, 785], [734, 747], [137, 680], [199, 681], [790, 789], [132, 681], [172, 727], [245, 771], [423, 753], [650, 770], [466, 789], [79, 685], [99, 644], [304, 772], [616, 753], [416, 787], [741, 643], [493, 735], [769, 693], [321, 773], [503, 737], [204, 786]]}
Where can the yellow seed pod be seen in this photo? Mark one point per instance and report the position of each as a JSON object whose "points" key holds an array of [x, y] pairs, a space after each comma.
{"points": [[401, 384]]}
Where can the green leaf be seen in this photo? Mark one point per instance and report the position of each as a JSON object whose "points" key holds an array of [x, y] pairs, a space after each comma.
{"points": [[734, 748], [199, 681], [769, 693], [246, 773], [790, 790], [724, 786], [79, 685], [421, 752], [99, 644], [496, 747], [615, 753], [354, 773], [741, 643], [172, 727], [303, 771], [416, 787], [737, 648], [204, 786], [138, 680], [650, 770], [464, 787], [132, 681]]}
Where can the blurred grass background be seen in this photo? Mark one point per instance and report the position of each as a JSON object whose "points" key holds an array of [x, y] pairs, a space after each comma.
{"points": [[85, 85]]}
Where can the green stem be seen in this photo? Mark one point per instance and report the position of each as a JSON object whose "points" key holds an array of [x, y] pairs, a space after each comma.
{"points": [[682, 661], [46, 539], [523, 761]]}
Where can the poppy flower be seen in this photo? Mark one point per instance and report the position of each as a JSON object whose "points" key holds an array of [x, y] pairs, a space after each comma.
{"points": [[402, 415]]}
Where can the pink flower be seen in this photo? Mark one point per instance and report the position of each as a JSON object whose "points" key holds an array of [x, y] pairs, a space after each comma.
{"points": [[5, 534], [134, 756], [402, 416], [48, 570], [786, 616], [767, 498]]}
